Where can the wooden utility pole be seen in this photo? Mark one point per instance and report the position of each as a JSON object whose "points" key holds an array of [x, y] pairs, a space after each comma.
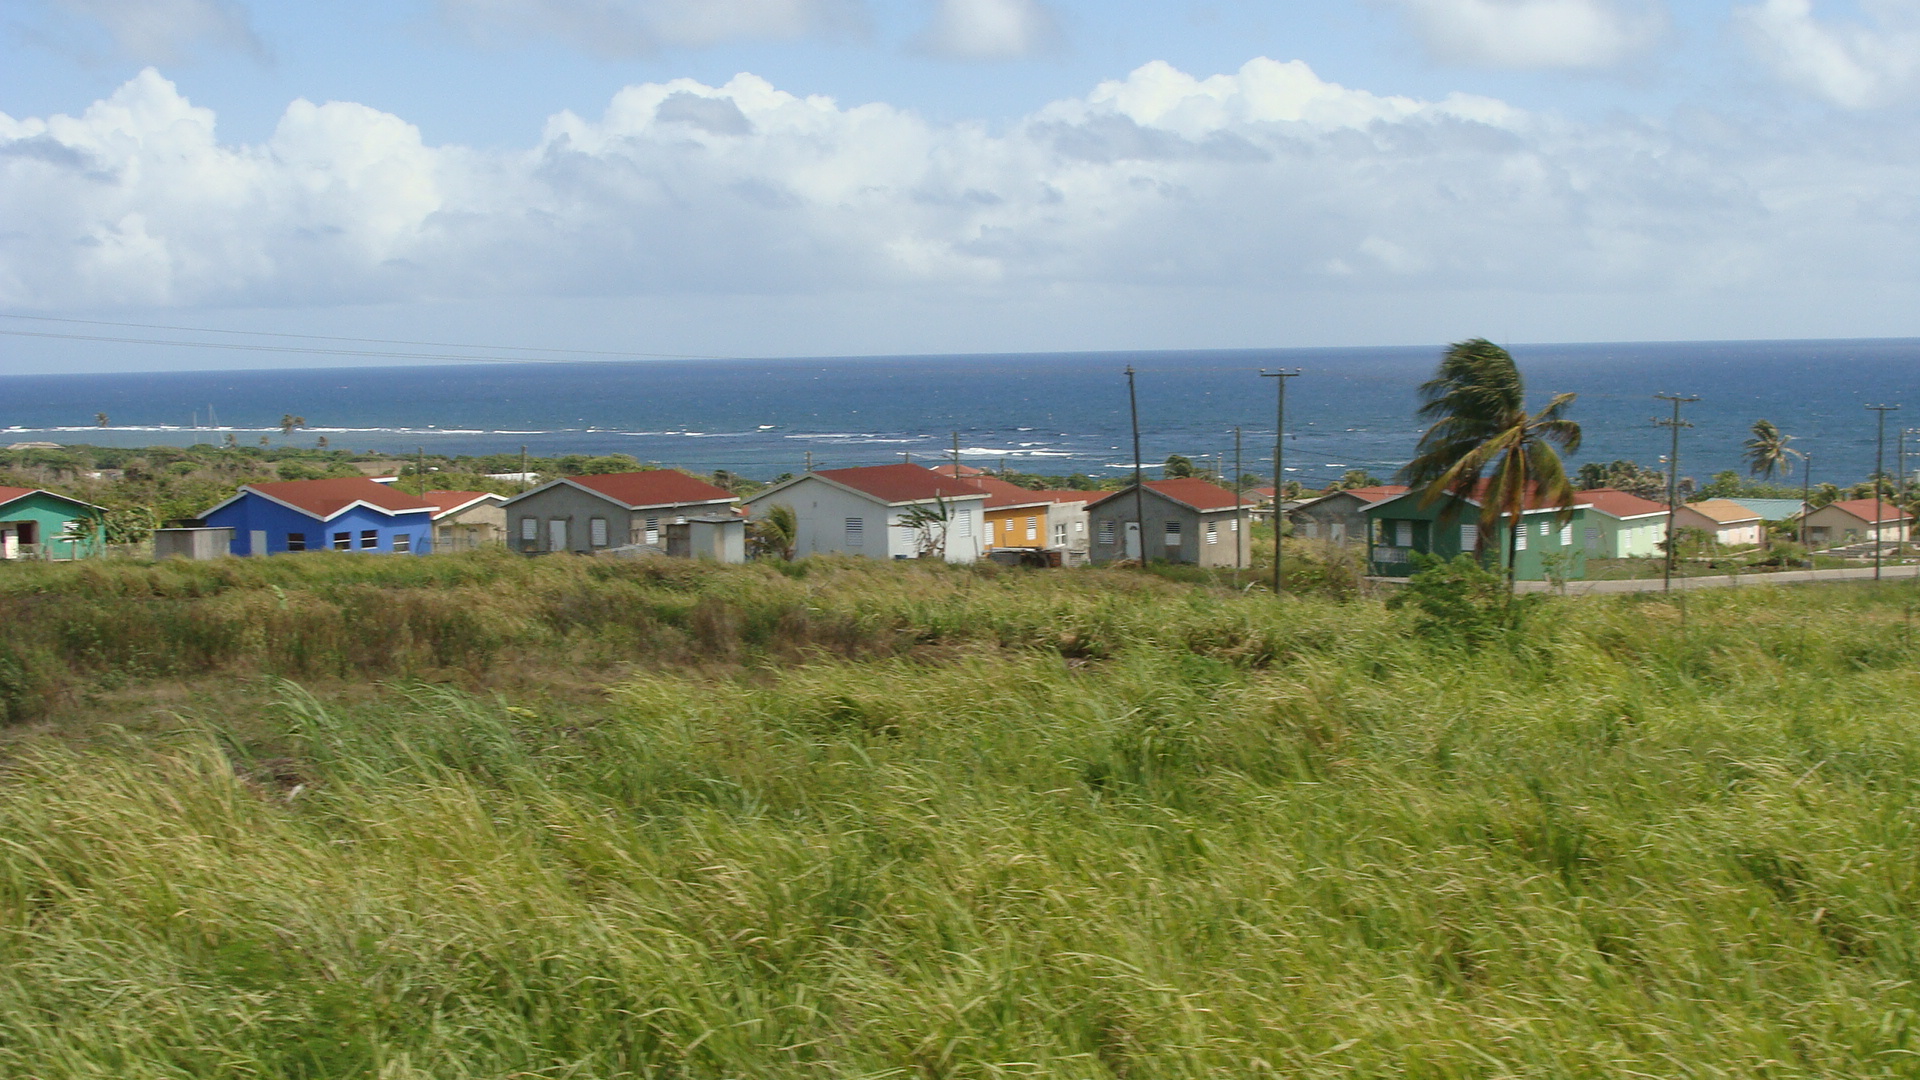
{"points": [[1279, 460], [956, 455], [420, 466], [1879, 479], [1239, 511], [525, 480], [1673, 476], [1139, 481], [809, 461], [1806, 503]]}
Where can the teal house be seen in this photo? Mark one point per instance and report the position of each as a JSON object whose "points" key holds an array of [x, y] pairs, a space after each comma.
{"points": [[1399, 528], [37, 524]]}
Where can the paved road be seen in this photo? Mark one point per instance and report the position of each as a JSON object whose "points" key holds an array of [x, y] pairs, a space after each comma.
{"points": [[1784, 577]]}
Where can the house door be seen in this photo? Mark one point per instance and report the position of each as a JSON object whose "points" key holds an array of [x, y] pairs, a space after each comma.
{"points": [[1133, 540], [1337, 532], [257, 542], [9, 542], [557, 534]]}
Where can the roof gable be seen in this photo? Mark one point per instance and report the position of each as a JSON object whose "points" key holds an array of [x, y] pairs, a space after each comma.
{"points": [[452, 502], [329, 498], [1864, 509], [15, 494]]}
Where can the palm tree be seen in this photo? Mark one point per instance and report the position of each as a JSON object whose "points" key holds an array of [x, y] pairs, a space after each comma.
{"points": [[1767, 451], [1482, 433]]}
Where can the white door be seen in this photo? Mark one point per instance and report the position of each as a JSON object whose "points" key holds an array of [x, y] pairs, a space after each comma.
{"points": [[557, 534], [1133, 539], [257, 542]]}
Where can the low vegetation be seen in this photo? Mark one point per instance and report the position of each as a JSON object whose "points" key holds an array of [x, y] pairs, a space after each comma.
{"points": [[478, 816]]}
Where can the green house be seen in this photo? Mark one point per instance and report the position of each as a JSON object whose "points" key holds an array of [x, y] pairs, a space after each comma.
{"points": [[38, 524], [1399, 528]]}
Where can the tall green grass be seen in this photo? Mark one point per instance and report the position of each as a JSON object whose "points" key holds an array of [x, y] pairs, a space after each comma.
{"points": [[986, 825]]}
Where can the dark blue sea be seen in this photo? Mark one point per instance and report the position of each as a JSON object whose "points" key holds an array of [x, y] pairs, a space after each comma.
{"points": [[1044, 413]]}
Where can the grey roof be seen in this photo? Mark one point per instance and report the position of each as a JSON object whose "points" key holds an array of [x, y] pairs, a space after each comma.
{"points": [[1772, 509]]}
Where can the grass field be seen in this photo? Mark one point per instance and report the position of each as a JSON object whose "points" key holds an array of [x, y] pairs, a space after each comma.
{"points": [[476, 816]]}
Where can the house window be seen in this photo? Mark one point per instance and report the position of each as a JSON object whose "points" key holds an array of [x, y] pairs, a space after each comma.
{"points": [[1312, 529], [369, 539], [1546, 528], [1033, 529], [1173, 534], [1566, 535], [597, 531], [856, 532], [653, 530], [529, 529], [402, 543], [343, 541], [1469, 537], [1235, 527], [1080, 527], [1213, 532], [1106, 533], [1520, 538], [296, 541], [1403, 534], [1060, 535]]}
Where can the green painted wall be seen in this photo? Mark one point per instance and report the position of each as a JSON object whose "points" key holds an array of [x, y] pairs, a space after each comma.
{"points": [[50, 513], [1437, 530]]}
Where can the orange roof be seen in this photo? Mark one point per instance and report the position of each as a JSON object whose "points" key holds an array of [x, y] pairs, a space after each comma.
{"points": [[1191, 492], [325, 498], [1378, 492], [1725, 511], [1864, 510], [1620, 504], [653, 487], [900, 483]]}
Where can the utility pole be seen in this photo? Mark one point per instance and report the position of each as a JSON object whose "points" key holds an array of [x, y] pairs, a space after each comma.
{"points": [[809, 461], [1806, 504], [1673, 476], [1239, 512], [525, 480], [1879, 478], [420, 466], [956, 455], [1139, 482], [1279, 460]]}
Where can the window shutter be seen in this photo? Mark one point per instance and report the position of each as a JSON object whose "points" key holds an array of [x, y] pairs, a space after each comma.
{"points": [[1469, 537], [1403, 534], [856, 532]]}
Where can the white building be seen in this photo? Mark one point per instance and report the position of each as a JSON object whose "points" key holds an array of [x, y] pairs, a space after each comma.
{"points": [[860, 511]]}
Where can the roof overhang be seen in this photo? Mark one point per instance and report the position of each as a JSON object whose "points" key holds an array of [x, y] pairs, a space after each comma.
{"points": [[246, 490], [568, 481], [53, 495], [868, 495]]}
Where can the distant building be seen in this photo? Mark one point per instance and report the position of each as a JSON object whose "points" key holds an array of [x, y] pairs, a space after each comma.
{"points": [[1773, 509], [1018, 517], [1337, 517], [1187, 520], [465, 520], [610, 510], [1857, 521], [338, 514], [859, 512], [1727, 522], [1622, 525], [37, 524]]}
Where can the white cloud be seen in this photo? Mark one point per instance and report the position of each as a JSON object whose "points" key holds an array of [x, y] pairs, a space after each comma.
{"points": [[638, 27], [166, 31], [1265, 180], [991, 29], [1856, 65], [1536, 33]]}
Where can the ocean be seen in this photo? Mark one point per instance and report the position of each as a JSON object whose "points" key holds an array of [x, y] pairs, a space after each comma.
{"points": [[1043, 413]]}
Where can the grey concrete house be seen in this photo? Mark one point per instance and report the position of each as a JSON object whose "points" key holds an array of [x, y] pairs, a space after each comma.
{"points": [[465, 520], [1187, 521], [596, 513], [1339, 517], [859, 512]]}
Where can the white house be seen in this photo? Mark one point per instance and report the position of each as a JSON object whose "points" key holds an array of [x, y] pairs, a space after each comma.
{"points": [[1726, 521], [859, 511]]}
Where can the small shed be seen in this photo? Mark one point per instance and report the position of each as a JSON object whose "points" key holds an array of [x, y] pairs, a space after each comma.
{"points": [[714, 537], [586, 514], [205, 542]]}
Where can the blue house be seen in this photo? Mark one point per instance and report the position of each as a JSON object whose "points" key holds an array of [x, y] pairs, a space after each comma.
{"points": [[343, 514]]}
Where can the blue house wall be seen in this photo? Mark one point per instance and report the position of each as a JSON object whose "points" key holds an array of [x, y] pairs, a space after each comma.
{"points": [[253, 512]]}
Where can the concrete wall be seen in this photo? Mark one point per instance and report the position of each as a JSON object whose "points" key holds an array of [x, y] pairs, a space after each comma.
{"points": [[579, 509], [1337, 519], [479, 525], [1166, 519], [192, 543]]}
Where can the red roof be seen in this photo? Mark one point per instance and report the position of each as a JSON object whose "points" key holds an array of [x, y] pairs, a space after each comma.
{"points": [[1377, 493], [1190, 492], [1002, 494], [654, 487], [1620, 504], [8, 494], [901, 483], [959, 470], [325, 498], [1864, 510]]}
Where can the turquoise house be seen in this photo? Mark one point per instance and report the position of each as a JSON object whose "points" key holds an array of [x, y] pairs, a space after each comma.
{"points": [[1399, 528], [36, 524]]}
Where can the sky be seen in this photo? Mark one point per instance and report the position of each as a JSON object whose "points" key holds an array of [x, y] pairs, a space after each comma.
{"points": [[879, 177]]}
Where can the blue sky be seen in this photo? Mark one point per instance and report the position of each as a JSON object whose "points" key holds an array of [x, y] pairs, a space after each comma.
{"points": [[807, 177]]}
